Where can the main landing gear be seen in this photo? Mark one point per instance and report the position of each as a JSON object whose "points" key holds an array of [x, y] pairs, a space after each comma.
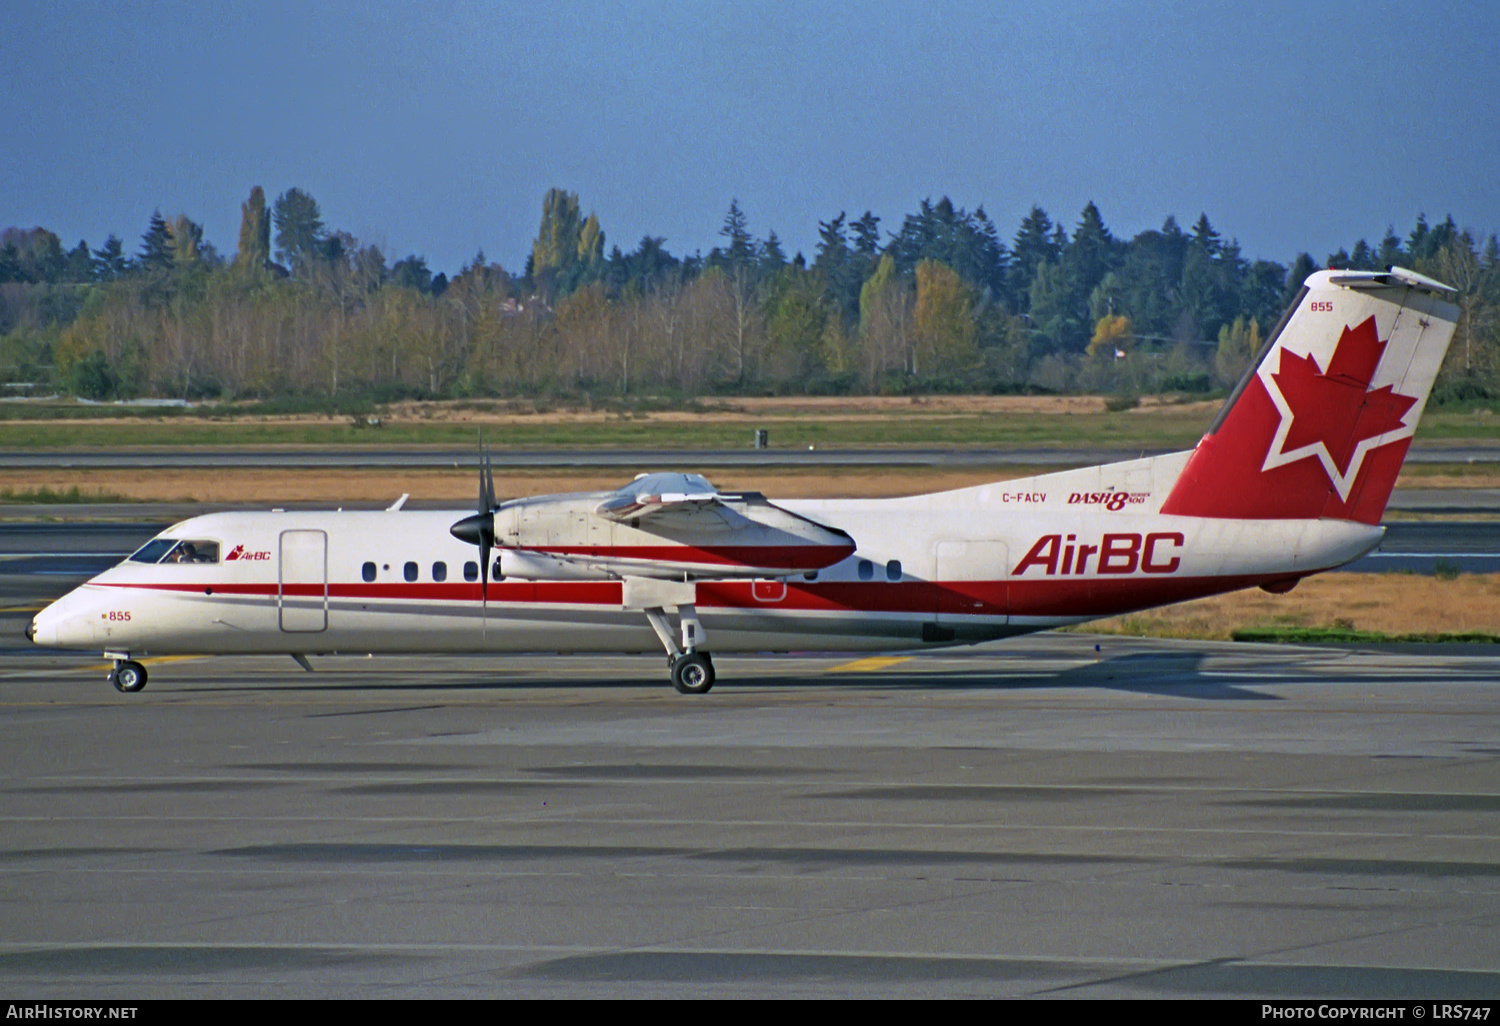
{"points": [[692, 668], [128, 676]]}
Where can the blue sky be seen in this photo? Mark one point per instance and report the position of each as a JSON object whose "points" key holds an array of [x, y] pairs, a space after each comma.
{"points": [[435, 128]]}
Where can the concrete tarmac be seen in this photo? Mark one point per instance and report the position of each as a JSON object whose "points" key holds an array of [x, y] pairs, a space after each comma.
{"points": [[1031, 818]]}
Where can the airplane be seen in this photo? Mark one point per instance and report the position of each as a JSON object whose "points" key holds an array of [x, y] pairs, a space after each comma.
{"points": [[1290, 479]]}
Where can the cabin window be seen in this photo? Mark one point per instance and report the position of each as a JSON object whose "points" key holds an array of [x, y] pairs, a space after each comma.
{"points": [[440, 571], [368, 572], [495, 573], [866, 570], [471, 571], [893, 570], [410, 571]]}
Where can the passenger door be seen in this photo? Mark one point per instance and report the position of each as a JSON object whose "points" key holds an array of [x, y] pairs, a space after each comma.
{"points": [[302, 581]]}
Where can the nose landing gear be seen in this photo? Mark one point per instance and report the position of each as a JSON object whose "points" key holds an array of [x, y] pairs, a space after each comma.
{"points": [[128, 676]]}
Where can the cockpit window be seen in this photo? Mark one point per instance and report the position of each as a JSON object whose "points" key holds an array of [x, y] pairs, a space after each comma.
{"points": [[173, 550], [193, 552], [153, 550]]}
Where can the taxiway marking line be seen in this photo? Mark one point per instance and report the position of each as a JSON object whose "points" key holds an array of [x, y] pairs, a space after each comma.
{"points": [[865, 665]]}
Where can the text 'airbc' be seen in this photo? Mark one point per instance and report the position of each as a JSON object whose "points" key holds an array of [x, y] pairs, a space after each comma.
{"points": [[1115, 554]]}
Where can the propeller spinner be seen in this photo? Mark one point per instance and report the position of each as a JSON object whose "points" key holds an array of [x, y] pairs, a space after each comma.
{"points": [[479, 529]]}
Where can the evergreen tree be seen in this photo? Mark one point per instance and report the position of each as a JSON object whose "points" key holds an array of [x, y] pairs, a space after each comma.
{"points": [[1205, 238], [772, 256], [1301, 268], [1263, 293], [79, 266], [1091, 255], [866, 235], [10, 262], [741, 249], [412, 273], [110, 261], [968, 243], [300, 232], [1055, 314], [1390, 253], [841, 271], [1033, 247], [156, 244]]}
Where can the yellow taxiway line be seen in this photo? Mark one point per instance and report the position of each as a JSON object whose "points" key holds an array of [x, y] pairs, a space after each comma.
{"points": [[872, 663]]}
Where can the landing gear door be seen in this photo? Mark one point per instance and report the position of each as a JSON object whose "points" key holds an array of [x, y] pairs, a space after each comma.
{"points": [[302, 581], [971, 582]]}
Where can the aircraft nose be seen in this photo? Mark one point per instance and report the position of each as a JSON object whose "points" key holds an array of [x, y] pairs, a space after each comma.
{"points": [[66, 623], [42, 632]]}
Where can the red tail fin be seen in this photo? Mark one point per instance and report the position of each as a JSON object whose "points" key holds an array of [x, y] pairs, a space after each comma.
{"points": [[1319, 427]]}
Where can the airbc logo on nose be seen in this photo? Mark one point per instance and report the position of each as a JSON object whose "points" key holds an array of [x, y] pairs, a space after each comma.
{"points": [[238, 552], [1112, 501], [1154, 553]]}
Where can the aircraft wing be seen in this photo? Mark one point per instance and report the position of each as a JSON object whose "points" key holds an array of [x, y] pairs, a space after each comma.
{"points": [[665, 525], [626, 506], [664, 498]]}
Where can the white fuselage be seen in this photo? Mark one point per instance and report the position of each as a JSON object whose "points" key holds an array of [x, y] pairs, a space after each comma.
{"points": [[954, 567]]}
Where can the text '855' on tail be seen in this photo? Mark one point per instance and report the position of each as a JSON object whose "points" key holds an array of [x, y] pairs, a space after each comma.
{"points": [[1320, 424]]}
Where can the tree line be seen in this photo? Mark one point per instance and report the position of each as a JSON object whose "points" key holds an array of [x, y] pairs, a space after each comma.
{"points": [[943, 302]]}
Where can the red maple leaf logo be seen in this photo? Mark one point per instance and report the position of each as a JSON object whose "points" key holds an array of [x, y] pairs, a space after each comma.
{"points": [[1333, 414], [235, 553]]}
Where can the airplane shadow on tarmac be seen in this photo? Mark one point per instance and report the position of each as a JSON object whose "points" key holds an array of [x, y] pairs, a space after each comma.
{"points": [[1176, 674]]}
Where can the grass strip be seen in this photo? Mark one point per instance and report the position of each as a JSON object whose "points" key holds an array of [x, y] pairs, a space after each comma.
{"points": [[58, 497]]}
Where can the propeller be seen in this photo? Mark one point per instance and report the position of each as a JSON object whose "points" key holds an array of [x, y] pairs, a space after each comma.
{"points": [[479, 529]]}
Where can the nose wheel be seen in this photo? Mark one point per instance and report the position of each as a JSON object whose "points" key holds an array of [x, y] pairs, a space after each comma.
{"points": [[128, 676]]}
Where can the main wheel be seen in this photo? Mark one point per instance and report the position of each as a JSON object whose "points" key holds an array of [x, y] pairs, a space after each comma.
{"points": [[693, 674], [128, 677]]}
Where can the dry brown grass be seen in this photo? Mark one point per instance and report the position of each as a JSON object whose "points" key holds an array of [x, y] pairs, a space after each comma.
{"points": [[250, 485], [1388, 603], [759, 408], [1437, 477], [271, 486], [748, 409]]}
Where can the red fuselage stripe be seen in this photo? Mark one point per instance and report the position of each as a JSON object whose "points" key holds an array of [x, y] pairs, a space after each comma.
{"points": [[1040, 597], [797, 557]]}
